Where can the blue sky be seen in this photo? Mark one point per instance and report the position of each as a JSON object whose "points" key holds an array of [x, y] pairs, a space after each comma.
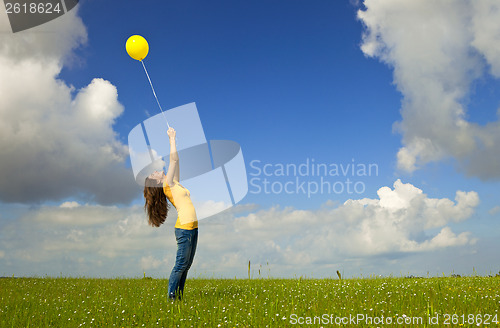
{"points": [[289, 81], [280, 80]]}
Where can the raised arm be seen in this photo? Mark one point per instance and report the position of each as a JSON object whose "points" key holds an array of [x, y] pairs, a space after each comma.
{"points": [[173, 167]]}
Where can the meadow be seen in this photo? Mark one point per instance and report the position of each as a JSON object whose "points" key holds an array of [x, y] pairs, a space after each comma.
{"points": [[263, 302]]}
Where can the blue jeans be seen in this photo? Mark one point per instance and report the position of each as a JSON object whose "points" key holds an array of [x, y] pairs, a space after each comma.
{"points": [[186, 247]]}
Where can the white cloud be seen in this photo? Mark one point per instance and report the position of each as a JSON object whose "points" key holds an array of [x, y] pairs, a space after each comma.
{"points": [[403, 220], [437, 49], [207, 208], [494, 210], [486, 32], [355, 3], [57, 141], [76, 215], [69, 205], [150, 262], [446, 238], [49, 233]]}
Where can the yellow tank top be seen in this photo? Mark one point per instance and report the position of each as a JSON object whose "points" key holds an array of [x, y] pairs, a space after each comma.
{"points": [[180, 198]]}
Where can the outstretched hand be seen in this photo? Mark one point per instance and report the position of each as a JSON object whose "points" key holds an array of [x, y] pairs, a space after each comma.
{"points": [[171, 133]]}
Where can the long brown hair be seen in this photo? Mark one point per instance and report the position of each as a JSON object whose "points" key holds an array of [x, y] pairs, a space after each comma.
{"points": [[156, 205]]}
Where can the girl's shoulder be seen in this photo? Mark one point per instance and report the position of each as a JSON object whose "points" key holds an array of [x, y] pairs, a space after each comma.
{"points": [[175, 183]]}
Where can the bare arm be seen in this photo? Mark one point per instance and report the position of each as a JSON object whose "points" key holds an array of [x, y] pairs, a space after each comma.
{"points": [[173, 166]]}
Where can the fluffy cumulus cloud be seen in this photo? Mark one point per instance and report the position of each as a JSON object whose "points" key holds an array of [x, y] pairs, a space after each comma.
{"points": [[399, 221], [56, 141], [437, 50], [103, 240], [84, 239]]}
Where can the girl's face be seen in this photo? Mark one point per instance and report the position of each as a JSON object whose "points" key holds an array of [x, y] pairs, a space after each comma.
{"points": [[158, 176]]}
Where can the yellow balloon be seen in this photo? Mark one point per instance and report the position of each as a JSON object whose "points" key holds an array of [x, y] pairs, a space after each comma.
{"points": [[137, 47]]}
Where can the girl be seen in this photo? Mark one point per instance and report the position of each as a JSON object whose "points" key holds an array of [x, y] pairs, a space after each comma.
{"points": [[158, 188]]}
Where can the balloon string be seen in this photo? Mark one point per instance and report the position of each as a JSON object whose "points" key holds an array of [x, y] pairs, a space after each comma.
{"points": [[154, 93]]}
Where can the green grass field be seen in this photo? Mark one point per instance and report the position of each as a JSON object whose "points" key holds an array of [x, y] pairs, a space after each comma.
{"points": [[408, 302]]}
